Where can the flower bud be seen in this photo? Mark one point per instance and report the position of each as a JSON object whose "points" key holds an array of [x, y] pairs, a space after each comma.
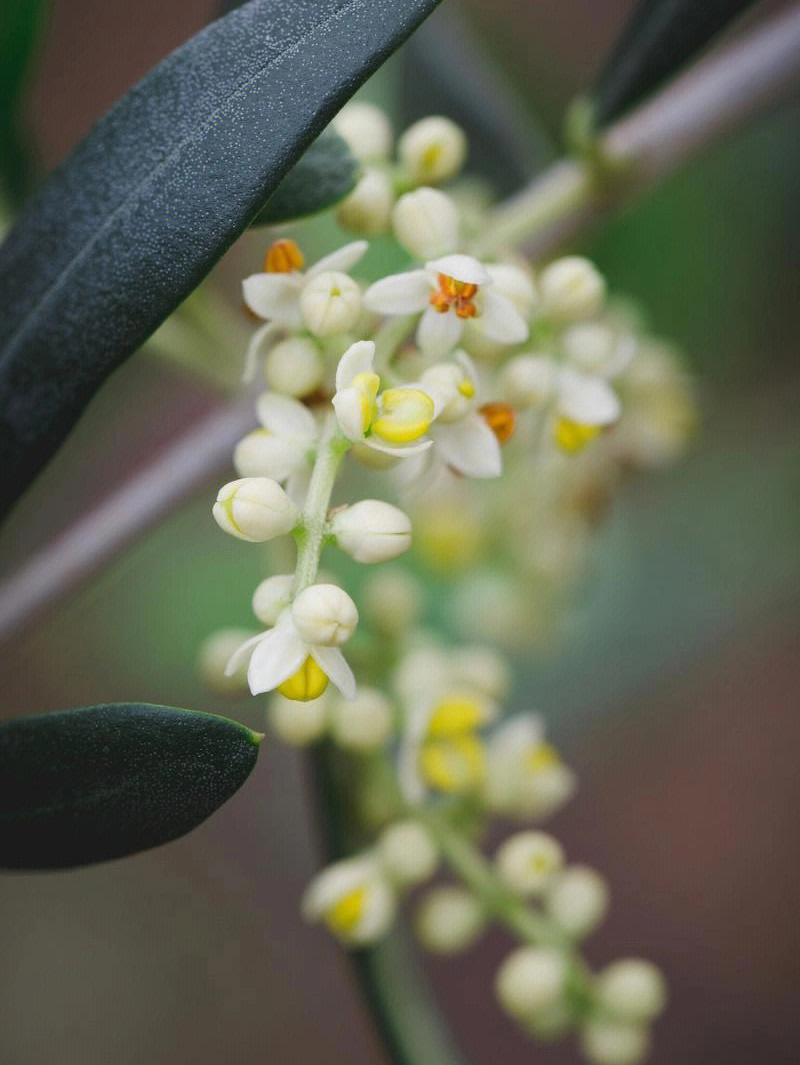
{"points": [[296, 722], [324, 614], [368, 208], [214, 656], [483, 669], [607, 1043], [516, 285], [452, 390], [363, 723], [426, 223], [528, 860], [531, 979], [294, 367], [353, 899], [528, 380], [432, 150], [371, 531], [393, 601], [255, 509], [407, 853], [572, 289], [366, 129], [448, 920], [260, 454], [632, 990], [271, 597], [331, 303], [578, 900]]}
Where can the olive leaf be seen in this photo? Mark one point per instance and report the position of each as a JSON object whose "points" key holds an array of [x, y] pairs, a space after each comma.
{"points": [[100, 782], [141, 210]]}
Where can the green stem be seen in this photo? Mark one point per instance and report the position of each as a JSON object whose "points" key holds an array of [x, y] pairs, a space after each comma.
{"points": [[333, 446]]}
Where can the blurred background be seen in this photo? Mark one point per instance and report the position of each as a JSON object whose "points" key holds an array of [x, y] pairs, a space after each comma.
{"points": [[674, 695]]}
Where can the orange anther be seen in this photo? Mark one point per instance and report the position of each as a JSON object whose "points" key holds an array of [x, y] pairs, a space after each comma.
{"points": [[456, 294], [283, 257], [500, 418]]}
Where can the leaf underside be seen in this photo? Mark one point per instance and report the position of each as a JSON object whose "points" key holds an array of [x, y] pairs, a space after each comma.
{"points": [[83, 786], [141, 210]]}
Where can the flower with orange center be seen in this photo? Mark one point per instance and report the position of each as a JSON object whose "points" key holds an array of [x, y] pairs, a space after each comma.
{"points": [[449, 292]]}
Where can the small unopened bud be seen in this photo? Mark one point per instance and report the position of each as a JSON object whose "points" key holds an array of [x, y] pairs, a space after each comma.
{"points": [[393, 601], [353, 899], [325, 614], [214, 656], [528, 380], [572, 289], [366, 129], [368, 208], [632, 990], [578, 900], [531, 979], [372, 531], [516, 285], [407, 853], [527, 861], [363, 723], [607, 1043], [426, 223], [272, 597], [448, 920], [331, 303], [432, 150], [297, 723], [294, 367], [255, 509]]}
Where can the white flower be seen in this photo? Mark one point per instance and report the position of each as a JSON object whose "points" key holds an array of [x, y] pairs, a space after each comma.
{"points": [[407, 852], [331, 303], [577, 900], [276, 294], [530, 980], [525, 776], [449, 292], [366, 129], [353, 898], [372, 531], [363, 723], [284, 449], [272, 596], [214, 656], [255, 509], [572, 289], [609, 1043], [528, 380], [281, 658], [393, 421], [449, 919], [583, 406], [368, 208], [426, 223], [432, 150], [526, 861], [324, 614], [631, 989], [294, 366], [598, 348], [393, 601], [298, 724]]}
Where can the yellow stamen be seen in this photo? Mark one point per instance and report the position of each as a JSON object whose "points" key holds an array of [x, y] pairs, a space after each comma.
{"points": [[406, 415], [343, 917], [542, 756], [500, 418], [455, 764], [309, 682], [283, 257], [456, 294], [467, 388], [572, 436], [454, 716]]}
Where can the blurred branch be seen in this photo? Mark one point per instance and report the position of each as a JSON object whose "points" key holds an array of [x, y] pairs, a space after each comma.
{"points": [[88, 544], [713, 100]]}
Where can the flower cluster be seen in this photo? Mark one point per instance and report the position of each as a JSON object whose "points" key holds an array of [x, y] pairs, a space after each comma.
{"points": [[460, 368]]}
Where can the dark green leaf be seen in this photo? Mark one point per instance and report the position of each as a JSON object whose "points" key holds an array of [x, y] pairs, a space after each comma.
{"points": [[319, 179], [82, 786], [20, 26], [661, 36], [138, 214]]}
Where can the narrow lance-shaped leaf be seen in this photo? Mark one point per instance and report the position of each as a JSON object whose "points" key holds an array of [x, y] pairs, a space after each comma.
{"points": [[82, 786], [660, 38], [150, 199]]}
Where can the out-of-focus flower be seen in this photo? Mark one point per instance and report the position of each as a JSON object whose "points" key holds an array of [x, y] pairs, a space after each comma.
{"points": [[354, 899], [284, 448]]}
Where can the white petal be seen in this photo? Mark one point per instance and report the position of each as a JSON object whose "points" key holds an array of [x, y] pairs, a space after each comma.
{"points": [[279, 655], [297, 483], [257, 348], [470, 447], [438, 333], [349, 407], [332, 663], [285, 417], [406, 449], [274, 296], [357, 359], [341, 261], [399, 293], [242, 653], [460, 268], [500, 320], [586, 400]]}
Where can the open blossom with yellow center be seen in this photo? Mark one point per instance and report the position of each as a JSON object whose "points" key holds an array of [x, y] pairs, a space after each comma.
{"points": [[284, 295], [353, 898], [525, 776], [449, 292], [394, 421]]}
